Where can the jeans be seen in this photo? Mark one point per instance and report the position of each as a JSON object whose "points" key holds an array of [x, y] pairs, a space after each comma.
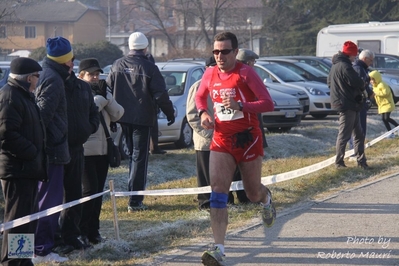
{"points": [[138, 141], [349, 124]]}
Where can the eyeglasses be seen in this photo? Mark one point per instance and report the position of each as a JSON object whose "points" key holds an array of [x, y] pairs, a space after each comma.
{"points": [[224, 51], [36, 75]]}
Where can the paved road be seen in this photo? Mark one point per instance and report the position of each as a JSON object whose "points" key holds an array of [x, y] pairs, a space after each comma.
{"points": [[354, 227]]}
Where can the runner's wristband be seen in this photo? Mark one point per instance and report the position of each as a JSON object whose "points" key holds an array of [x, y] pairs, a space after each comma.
{"points": [[200, 112]]}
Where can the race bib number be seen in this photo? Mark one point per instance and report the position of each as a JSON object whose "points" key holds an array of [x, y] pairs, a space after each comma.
{"points": [[227, 114]]}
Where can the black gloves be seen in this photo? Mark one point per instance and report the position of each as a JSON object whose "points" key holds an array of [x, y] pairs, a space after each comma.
{"points": [[171, 120]]}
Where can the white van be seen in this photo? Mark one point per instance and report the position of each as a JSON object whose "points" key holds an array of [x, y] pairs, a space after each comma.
{"points": [[379, 37]]}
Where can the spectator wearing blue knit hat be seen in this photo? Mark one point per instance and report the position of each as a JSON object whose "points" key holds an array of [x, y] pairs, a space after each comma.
{"points": [[50, 97]]}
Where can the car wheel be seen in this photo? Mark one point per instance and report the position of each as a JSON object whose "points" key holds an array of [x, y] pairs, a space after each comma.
{"points": [[186, 135], [319, 116], [123, 148]]}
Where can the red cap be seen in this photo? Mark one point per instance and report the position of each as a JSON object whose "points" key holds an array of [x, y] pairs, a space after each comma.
{"points": [[349, 48]]}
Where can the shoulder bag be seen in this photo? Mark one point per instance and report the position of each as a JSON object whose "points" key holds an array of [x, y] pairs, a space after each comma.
{"points": [[114, 156]]}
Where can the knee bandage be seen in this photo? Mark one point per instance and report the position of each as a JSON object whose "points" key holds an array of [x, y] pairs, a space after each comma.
{"points": [[218, 200]]}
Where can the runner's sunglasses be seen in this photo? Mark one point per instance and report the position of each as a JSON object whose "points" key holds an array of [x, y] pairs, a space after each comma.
{"points": [[224, 51]]}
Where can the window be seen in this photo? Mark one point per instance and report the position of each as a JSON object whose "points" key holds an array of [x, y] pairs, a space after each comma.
{"points": [[30, 32], [3, 34], [372, 45]]}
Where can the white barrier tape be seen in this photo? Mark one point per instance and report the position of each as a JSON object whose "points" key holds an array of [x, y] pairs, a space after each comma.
{"points": [[38, 215], [267, 180]]}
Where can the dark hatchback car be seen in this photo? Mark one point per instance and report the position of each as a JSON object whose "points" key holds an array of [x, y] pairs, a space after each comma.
{"points": [[321, 63], [305, 70]]}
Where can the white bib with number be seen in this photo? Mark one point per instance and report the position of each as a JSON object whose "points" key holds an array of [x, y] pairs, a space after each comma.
{"points": [[227, 114]]}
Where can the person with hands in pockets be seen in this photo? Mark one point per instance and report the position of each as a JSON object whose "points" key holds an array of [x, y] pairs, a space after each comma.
{"points": [[238, 95], [95, 150]]}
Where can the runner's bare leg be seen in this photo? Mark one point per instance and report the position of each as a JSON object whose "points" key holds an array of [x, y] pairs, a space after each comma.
{"points": [[251, 173], [221, 169]]}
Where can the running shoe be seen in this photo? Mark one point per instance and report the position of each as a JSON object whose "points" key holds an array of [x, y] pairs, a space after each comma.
{"points": [[268, 211], [213, 257]]}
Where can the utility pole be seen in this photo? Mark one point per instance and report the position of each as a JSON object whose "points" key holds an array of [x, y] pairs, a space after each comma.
{"points": [[250, 34]]}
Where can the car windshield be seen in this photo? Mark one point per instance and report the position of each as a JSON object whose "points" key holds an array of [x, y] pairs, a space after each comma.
{"points": [[283, 73], [175, 82], [315, 72]]}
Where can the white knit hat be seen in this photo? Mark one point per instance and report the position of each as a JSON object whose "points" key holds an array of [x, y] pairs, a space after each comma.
{"points": [[137, 41]]}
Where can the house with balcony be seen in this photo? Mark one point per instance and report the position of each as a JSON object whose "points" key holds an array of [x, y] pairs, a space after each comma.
{"points": [[27, 26]]}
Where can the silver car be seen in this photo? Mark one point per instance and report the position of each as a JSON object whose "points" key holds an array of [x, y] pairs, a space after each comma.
{"points": [[318, 93], [179, 76], [287, 112]]}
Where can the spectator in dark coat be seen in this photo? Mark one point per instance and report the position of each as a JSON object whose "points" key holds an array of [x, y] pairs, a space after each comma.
{"points": [[83, 120], [51, 100], [137, 85], [22, 156], [347, 94], [361, 66]]}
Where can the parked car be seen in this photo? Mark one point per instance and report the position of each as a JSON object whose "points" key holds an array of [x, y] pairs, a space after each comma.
{"points": [[321, 63], [318, 93], [386, 64], [305, 70], [179, 76], [287, 112], [391, 79], [298, 93], [5, 70]]}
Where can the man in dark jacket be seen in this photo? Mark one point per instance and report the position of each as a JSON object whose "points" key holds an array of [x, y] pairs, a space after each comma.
{"points": [[83, 120], [137, 84], [347, 97], [361, 66], [22, 156], [51, 100]]}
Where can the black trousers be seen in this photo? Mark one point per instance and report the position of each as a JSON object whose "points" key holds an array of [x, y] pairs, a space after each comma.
{"points": [[349, 125], [93, 181], [20, 196], [138, 141], [387, 119], [70, 218]]}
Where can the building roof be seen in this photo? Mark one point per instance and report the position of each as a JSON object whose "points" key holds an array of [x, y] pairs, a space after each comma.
{"points": [[54, 11]]}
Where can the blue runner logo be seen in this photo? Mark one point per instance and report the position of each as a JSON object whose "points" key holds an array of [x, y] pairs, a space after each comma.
{"points": [[20, 246]]}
